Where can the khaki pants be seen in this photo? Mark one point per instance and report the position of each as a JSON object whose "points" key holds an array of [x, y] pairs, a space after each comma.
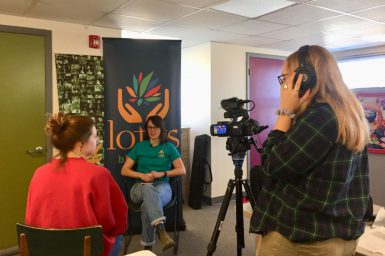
{"points": [[274, 244]]}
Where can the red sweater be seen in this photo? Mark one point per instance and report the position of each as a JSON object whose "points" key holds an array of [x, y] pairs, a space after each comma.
{"points": [[78, 194]]}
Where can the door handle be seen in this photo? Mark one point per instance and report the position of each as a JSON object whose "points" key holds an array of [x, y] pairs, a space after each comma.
{"points": [[39, 150]]}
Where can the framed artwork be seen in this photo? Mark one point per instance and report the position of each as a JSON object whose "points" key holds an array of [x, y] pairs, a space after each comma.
{"points": [[373, 101]]}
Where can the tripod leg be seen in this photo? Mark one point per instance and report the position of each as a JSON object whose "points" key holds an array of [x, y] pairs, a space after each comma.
{"points": [[239, 218], [221, 217], [249, 194]]}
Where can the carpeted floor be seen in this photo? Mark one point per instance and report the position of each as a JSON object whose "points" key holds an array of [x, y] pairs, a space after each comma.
{"points": [[199, 229]]}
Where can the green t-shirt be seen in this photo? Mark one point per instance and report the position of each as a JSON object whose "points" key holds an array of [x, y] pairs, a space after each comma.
{"points": [[149, 158]]}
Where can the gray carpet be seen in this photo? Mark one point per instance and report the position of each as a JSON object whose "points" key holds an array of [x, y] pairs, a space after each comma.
{"points": [[199, 229]]}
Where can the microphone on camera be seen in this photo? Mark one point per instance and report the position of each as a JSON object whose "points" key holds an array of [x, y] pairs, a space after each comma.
{"points": [[263, 127]]}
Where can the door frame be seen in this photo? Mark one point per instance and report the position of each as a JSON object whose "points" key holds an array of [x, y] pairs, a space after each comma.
{"points": [[248, 56], [47, 34]]}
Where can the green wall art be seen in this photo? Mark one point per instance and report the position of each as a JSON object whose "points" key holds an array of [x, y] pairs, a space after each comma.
{"points": [[80, 83]]}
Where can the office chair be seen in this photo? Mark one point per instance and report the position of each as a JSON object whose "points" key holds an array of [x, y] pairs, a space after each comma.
{"points": [[135, 208], [87, 241]]}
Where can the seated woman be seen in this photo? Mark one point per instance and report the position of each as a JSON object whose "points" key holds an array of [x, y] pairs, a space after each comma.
{"points": [[69, 191], [154, 157]]}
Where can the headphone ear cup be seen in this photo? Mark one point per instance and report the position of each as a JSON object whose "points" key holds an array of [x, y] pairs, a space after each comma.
{"points": [[308, 80]]}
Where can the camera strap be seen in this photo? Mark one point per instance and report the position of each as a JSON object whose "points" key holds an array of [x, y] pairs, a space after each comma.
{"points": [[208, 175]]}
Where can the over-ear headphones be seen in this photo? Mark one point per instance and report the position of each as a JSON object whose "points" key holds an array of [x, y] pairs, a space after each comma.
{"points": [[309, 77]]}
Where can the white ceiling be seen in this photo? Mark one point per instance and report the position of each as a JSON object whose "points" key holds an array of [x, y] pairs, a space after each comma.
{"points": [[334, 24]]}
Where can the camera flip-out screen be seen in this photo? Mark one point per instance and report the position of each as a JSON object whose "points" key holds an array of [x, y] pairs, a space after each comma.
{"points": [[219, 129]]}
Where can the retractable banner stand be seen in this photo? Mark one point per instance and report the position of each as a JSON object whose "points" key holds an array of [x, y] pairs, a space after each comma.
{"points": [[142, 78]]}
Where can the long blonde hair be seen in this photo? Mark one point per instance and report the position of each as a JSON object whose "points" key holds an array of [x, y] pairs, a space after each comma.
{"points": [[353, 129]]}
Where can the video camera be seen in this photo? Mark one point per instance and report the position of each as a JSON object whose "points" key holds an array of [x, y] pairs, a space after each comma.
{"points": [[238, 131], [245, 127]]}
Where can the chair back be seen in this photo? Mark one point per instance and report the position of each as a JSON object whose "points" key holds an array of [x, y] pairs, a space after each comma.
{"points": [[35, 241]]}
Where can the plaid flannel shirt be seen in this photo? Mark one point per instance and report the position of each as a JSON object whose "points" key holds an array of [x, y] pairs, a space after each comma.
{"points": [[315, 188]]}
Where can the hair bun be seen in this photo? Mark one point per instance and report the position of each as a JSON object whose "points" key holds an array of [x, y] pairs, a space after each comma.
{"points": [[62, 121], [56, 124]]}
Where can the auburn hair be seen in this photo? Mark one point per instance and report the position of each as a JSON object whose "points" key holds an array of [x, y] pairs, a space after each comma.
{"points": [[65, 130]]}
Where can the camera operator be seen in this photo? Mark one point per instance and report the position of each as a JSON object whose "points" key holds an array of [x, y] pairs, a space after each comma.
{"points": [[316, 189]]}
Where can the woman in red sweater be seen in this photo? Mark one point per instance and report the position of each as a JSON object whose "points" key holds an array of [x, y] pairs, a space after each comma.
{"points": [[69, 191]]}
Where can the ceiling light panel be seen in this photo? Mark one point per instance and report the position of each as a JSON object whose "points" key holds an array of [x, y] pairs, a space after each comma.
{"points": [[154, 10], [252, 8]]}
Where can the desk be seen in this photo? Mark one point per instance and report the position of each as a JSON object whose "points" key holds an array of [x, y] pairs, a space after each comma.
{"points": [[247, 211], [361, 251]]}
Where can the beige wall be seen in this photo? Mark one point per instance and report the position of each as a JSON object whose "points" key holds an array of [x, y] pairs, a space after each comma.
{"points": [[228, 79], [66, 37], [196, 91]]}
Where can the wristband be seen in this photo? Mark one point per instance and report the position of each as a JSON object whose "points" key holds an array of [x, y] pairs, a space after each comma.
{"points": [[285, 112], [164, 174]]}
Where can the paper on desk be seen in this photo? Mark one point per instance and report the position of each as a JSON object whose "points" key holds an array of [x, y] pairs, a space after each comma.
{"points": [[379, 221], [373, 240]]}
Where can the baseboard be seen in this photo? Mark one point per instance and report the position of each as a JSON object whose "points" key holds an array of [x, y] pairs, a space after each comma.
{"points": [[10, 251]]}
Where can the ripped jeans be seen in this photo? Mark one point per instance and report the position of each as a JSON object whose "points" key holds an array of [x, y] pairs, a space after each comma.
{"points": [[154, 196]]}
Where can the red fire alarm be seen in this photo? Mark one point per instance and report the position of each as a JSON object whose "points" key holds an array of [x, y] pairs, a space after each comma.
{"points": [[94, 41]]}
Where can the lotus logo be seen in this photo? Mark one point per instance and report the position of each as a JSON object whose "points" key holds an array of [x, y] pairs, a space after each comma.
{"points": [[144, 91]]}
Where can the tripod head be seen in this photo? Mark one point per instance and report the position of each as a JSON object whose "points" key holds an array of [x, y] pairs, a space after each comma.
{"points": [[241, 145]]}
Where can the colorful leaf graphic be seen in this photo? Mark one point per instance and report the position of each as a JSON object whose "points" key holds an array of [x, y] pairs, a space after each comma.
{"points": [[152, 91], [131, 92], [135, 81], [144, 90], [144, 84], [153, 83], [152, 99]]}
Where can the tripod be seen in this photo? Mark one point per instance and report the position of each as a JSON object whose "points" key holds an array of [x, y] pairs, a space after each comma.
{"points": [[237, 183]]}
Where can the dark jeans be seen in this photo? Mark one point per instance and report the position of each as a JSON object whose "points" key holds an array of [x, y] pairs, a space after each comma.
{"points": [[117, 246]]}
